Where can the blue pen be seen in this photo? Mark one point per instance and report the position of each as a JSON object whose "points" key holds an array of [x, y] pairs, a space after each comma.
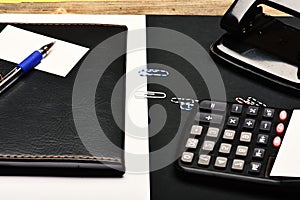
{"points": [[25, 66]]}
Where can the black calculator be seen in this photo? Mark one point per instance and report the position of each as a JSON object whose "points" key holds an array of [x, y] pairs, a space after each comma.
{"points": [[238, 141]]}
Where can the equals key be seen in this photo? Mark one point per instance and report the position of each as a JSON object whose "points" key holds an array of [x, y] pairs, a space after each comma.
{"points": [[212, 105]]}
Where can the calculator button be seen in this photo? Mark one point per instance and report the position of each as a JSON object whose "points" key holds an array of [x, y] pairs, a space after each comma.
{"points": [[265, 126], [187, 157], [238, 164], [228, 134], [213, 132], [221, 162], [258, 153], [268, 113], [237, 108], [196, 130], [252, 110], [283, 115], [249, 123], [209, 118], [212, 105], [280, 128], [262, 139], [255, 167], [191, 143], [204, 160], [245, 137], [241, 150], [233, 121], [208, 145], [225, 148], [277, 141]]}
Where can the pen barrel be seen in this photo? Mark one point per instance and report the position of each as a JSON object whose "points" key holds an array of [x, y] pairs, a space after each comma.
{"points": [[31, 61], [10, 78]]}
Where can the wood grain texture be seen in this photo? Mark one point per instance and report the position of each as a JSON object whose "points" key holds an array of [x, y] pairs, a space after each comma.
{"points": [[148, 7]]}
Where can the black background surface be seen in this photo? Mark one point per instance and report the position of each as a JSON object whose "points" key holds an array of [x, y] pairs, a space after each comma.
{"points": [[171, 183]]}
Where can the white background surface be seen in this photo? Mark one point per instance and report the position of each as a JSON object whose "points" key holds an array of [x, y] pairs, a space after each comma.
{"points": [[131, 186]]}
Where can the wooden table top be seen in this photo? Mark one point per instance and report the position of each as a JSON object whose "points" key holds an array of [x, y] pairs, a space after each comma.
{"points": [[147, 7]]}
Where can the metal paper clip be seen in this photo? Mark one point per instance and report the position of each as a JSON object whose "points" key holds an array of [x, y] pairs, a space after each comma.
{"points": [[250, 101], [154, 72], [240, 100], [257, 102], [150, 95], [186, 104], [177, 100]]}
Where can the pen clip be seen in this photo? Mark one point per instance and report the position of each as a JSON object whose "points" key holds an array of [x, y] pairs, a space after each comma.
{"points": [[150, 95]]}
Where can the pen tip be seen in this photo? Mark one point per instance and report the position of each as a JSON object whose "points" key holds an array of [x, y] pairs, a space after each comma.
{"points": [[51, 44], [45, 49]]}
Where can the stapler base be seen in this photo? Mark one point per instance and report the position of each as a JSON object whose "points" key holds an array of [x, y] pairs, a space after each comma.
{"points": [[256, 61]]}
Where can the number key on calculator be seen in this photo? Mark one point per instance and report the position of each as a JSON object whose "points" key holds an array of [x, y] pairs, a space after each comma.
{"points": [[235, 141]]}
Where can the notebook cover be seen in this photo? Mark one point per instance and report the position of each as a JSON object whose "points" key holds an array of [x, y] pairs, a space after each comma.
{"points": [[37, 129]]}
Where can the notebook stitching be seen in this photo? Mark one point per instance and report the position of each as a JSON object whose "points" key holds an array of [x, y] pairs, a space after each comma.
{"points": [[9, 156]]}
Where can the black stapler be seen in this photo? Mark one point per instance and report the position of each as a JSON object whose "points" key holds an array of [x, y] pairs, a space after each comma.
{"points": [[262, 44]]}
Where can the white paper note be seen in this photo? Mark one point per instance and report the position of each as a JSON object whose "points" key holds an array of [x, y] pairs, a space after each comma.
{"points": [[17, 44], [287, 162]]}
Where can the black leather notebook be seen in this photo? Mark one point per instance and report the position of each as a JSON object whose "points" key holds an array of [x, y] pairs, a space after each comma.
{"points": [[37, 128]]}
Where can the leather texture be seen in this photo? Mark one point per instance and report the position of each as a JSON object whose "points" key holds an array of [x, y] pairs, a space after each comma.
{"points": [[38, 134]]}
